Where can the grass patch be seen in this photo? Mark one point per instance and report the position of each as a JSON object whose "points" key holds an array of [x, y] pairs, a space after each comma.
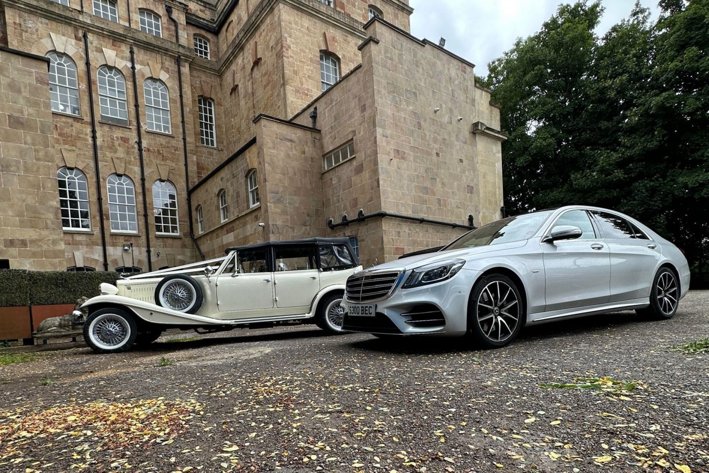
{"points": [[694, 348], [14, 358], [165, 362], [605, 384]]}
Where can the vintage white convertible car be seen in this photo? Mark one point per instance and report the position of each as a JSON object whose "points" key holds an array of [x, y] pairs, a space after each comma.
{"points": [[253, 285]]}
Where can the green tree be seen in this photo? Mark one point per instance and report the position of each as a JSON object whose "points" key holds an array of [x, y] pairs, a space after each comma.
{"points": [[620, 121]]}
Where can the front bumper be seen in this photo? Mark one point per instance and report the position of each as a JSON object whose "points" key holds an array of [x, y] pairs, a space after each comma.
{"points": [[435, 309]]}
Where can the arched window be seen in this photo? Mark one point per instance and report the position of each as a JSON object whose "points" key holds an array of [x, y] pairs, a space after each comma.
{"points": [[223, 206], [207, 122], [63, 84], [375, 12], [121, 204], [252, 188], [112, 95], [73, 199], [201, 46], [106, 9], [200, 219], [150, 22], [165, 208], [329, 70], [157, 106]]}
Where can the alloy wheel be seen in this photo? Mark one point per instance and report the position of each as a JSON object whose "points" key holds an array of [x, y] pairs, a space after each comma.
{"points": [[666, 293], [498, 311]]}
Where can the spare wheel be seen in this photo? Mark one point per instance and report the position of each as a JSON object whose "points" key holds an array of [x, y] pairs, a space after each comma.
{"points": [[180, 293]]}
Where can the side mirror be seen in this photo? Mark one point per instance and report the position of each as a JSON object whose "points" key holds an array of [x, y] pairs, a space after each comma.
{"points": [[563, 232], [209, 270]]}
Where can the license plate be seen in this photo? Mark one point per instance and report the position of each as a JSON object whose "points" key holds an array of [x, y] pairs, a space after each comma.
{"points": [[362, 310]]}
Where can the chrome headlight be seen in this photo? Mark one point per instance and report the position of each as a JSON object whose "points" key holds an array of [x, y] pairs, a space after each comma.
{"points": [[108, 289], [433, 273]]}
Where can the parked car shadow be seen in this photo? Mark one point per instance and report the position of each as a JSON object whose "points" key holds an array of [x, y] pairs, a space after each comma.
{"points": [[565, 328], [191, 340]]}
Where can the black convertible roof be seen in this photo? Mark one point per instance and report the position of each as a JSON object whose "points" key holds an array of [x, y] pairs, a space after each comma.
{"points": [[305, 241]]}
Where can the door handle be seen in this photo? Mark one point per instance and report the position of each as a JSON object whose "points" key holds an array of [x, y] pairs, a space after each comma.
{"points": [[266, 280], [597, 246], [652, 246], [313, 277]]}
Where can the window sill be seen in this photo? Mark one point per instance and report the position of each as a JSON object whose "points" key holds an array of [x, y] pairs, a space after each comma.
{"points": [[124, 233], [175, 236], [120, 125], [68, 115], [76, 231], [215, 148], [154, 132]]}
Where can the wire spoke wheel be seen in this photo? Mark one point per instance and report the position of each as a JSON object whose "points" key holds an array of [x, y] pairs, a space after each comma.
{"points": [[330, 315], [178, 295], [335, 313], [110, 330]]}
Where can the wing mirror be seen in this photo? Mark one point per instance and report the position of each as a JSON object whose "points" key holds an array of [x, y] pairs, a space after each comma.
{"points": [[209, 270], [563, 232]]}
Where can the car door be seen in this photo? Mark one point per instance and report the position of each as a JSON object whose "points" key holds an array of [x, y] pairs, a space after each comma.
{"points": [[296, 277], [245, 287], [577, 271], [634, 257]]}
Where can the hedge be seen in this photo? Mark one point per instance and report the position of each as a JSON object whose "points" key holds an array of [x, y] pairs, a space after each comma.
{"points": [[21, 287]]}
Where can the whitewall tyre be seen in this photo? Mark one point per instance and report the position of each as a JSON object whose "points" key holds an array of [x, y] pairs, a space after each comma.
{"points": [[330, 315], [180, 293], [110, 330]]}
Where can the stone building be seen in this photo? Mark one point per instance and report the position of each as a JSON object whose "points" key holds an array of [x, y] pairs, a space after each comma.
{"points": [[144, 133]]}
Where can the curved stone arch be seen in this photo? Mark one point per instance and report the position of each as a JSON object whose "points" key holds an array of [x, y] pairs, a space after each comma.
{"points": [[153, 70], [111, 59]]}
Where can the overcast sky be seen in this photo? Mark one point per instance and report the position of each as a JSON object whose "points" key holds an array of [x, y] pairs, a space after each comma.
{"points": [[481, 30]]}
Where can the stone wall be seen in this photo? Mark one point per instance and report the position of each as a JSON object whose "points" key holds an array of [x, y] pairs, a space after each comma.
{"points": [[30, 228]]}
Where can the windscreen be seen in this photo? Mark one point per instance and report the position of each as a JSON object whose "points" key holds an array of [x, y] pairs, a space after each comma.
{"points": [[506, 230]]}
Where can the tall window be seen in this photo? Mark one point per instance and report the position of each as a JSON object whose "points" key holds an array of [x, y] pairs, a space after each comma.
{"points": [[106, 9], [223, 206], [150, 23], [112, 95], [157, 106], [201, 46], [375, 12], [165, 208], [121, 204], [63, 84], [200, 219], [73, 199], [329, 70], [62, 2], [207, 123], [252, 187], [326, 2]]}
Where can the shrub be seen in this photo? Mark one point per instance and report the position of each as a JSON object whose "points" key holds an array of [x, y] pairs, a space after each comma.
{"points": [[20, 287]]}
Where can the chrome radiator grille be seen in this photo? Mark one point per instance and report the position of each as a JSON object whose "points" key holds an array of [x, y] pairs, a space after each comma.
{"points": [[370, 287]]}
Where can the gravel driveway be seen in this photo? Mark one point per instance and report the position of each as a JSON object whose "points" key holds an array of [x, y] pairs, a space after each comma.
{"points": [[610, 393]]}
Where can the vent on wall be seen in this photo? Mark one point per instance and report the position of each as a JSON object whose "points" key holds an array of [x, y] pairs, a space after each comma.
{"points": [[4, 264]]}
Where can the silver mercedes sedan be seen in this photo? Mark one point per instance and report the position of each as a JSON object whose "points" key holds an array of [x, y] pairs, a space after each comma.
{"points": [[529, 269]]}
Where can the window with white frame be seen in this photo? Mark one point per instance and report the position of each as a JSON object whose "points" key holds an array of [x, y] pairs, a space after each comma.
{"points": [[375, 12], [252, 187], [165, 208], [201, 46], [107, 9], [340, 155], [223, 206], [150, 23], [73, 199], [329, 70], [326, 2], [112, 95], [157, 106], [62, 2], [200, 219], [121, 204], [207, 122], [63, 84]]}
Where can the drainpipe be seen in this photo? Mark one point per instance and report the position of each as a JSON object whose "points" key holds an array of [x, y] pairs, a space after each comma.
{"points": [[141, 157], [94, 142], [168, 9], [128, 5]]}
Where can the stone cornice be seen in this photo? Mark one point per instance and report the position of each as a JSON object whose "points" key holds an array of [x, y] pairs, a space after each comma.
{"points": [[95, 25], [400, 5]]}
